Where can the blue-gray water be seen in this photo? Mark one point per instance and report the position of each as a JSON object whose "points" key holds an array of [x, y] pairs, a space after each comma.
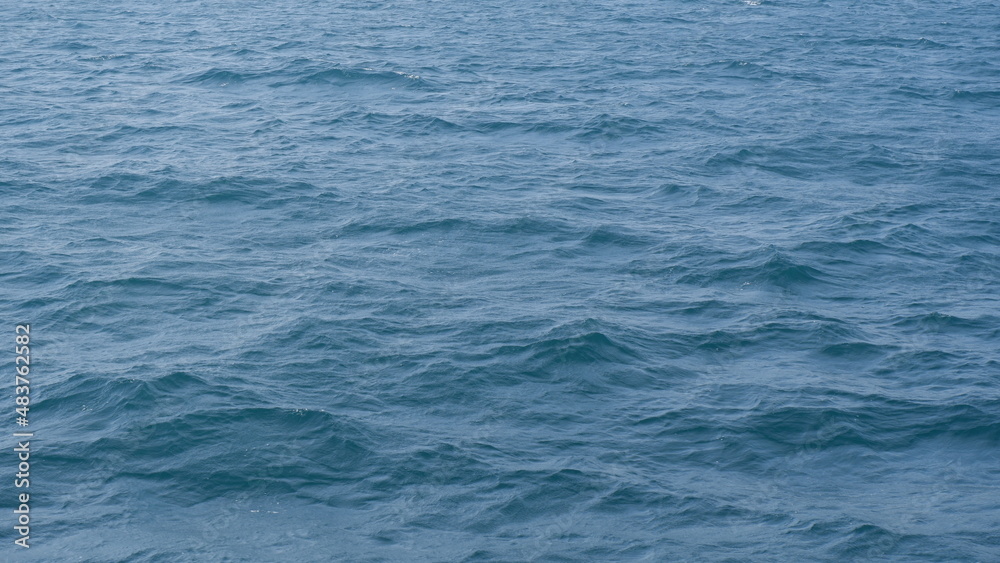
{"points": [[525, 281]]}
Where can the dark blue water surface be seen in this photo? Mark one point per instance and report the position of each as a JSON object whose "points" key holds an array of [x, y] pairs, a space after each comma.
{"points": [[675, 280]]}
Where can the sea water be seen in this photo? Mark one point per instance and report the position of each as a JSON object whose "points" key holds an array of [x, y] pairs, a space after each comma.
{"points": [[708, 280]]}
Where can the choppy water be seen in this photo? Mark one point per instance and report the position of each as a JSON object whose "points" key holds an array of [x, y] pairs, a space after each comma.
{"points": [[525, 281]]}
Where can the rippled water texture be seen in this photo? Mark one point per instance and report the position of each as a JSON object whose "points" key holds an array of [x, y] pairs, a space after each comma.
{"points": [[522, 281]]}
